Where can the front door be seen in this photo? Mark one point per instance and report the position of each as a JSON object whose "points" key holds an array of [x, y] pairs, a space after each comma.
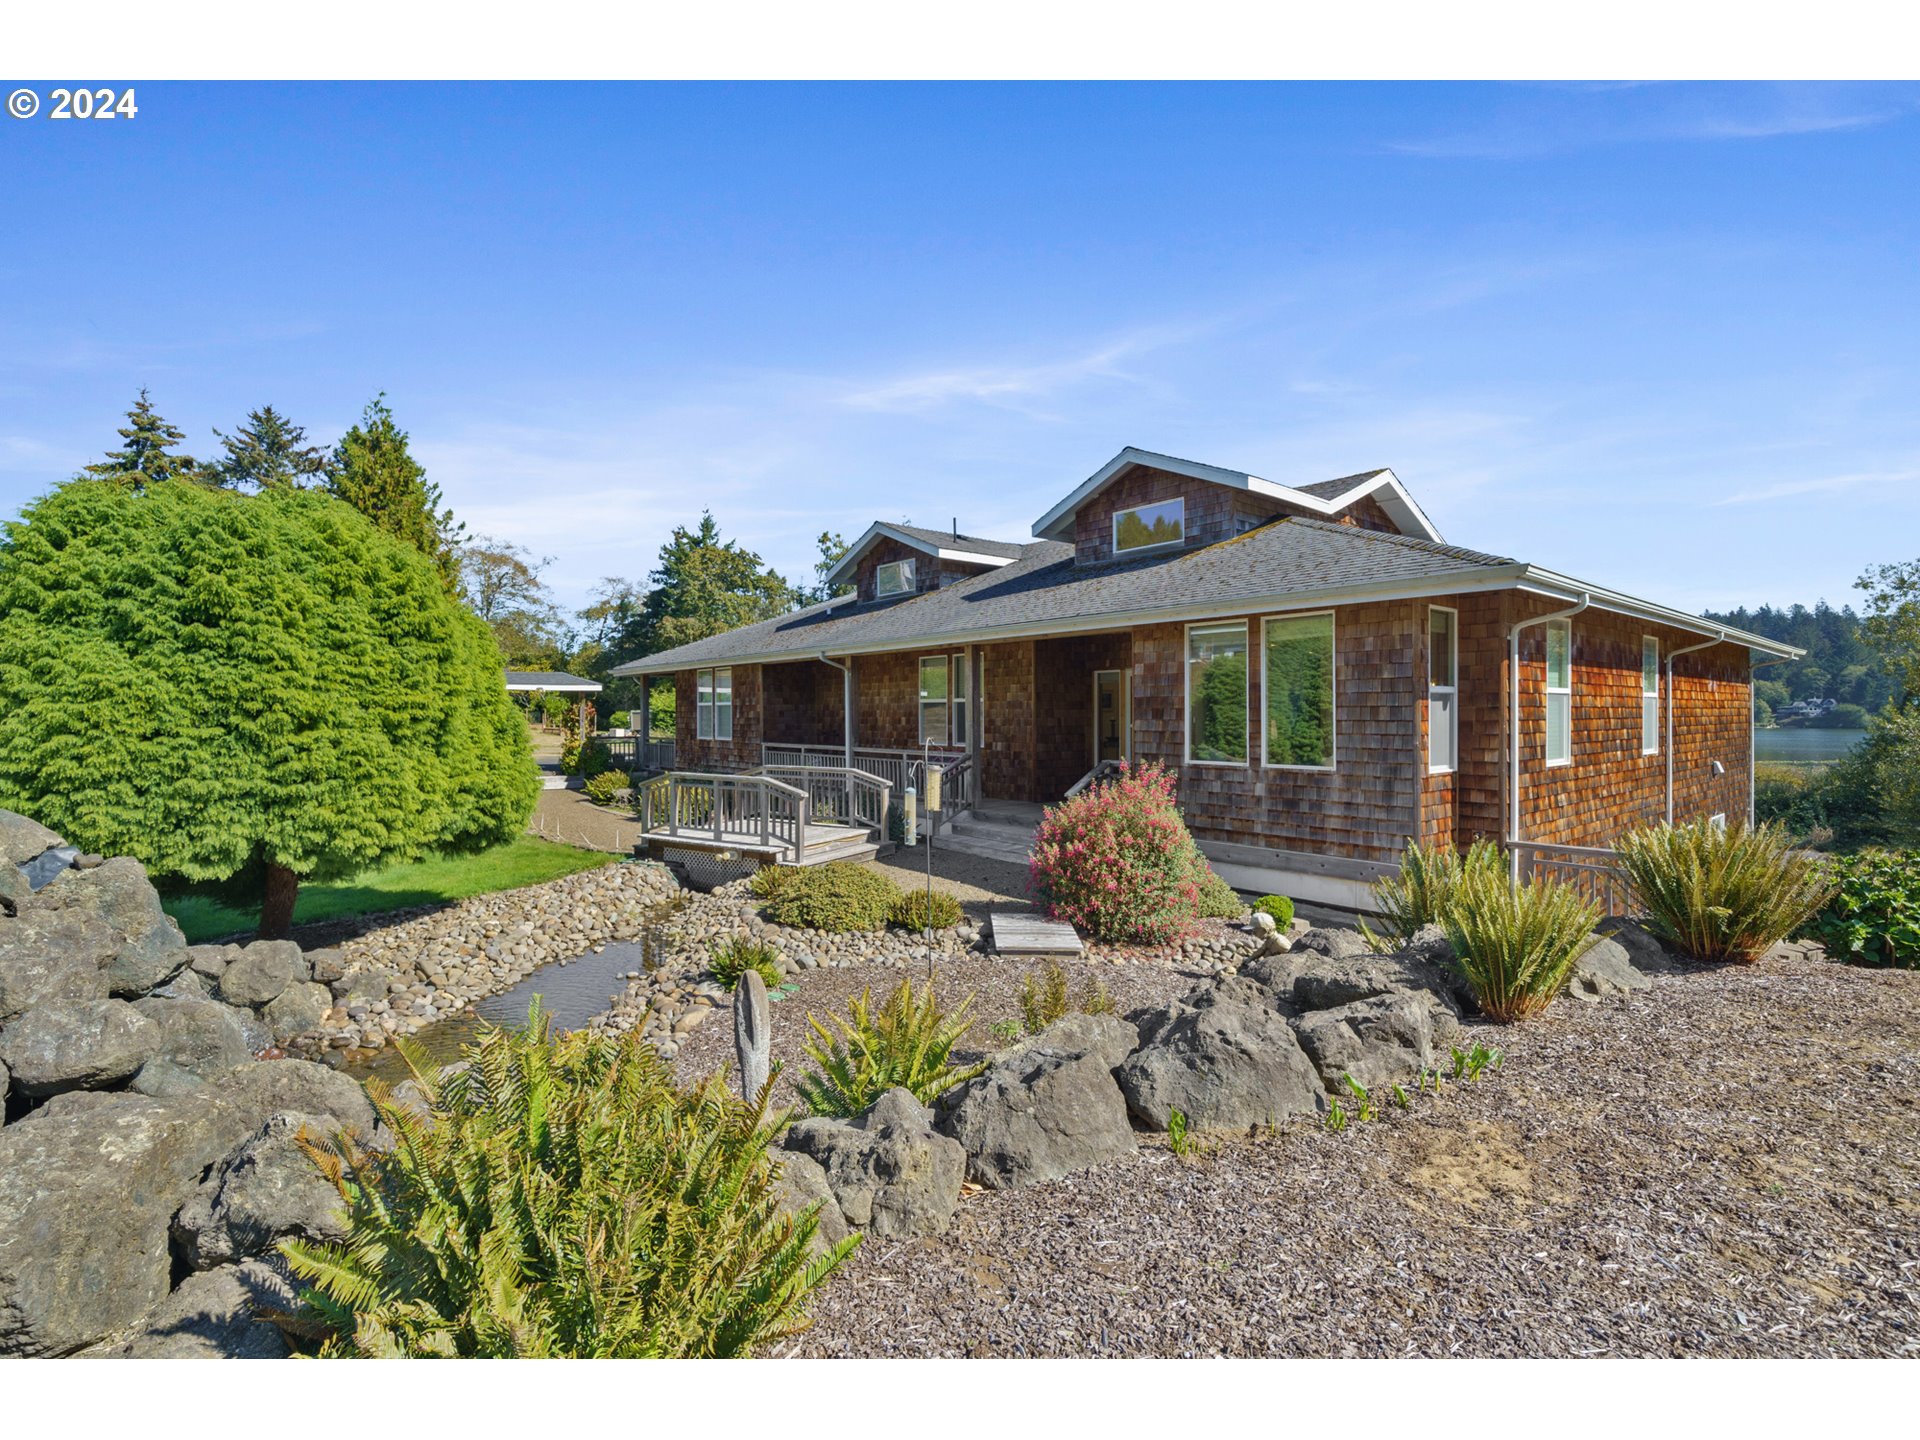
{"points": [[1109, 715]]}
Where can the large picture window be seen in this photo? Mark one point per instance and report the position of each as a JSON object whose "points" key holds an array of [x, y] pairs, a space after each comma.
{"points": [[1649, 695], [713, 704], [1299, 691], [894, 578], [1145, 527], [1443, 689], [1217, 694], [934, 700], [1559, 692]]}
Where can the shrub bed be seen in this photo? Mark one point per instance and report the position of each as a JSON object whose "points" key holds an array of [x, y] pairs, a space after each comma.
{"points": [[1874, 915], [601, 788], [1278, 906], [840, 896], [1117, 860]]}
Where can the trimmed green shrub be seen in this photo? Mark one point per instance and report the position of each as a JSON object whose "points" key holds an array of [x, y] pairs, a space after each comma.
{"points": [[560, 1198], [1278, 906], [618, 720], [590, 758], [1430, 876], [733, 958], [603, 787], [1217, 898], [1723, 892], [917, 910], [907, 1045], [1873, 917], [838, 896], [1117, 860], [1515, 944]]}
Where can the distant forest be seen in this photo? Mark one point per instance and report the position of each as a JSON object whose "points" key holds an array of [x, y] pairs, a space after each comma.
{"points": [[1839, 664]]}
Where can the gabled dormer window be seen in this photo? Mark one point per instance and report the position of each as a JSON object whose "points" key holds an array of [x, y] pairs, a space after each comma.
{"points": [[1148, 527], [894, 578]]}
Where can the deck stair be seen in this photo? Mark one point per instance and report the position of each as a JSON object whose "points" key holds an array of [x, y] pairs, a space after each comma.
{"points": [[993, 831]]}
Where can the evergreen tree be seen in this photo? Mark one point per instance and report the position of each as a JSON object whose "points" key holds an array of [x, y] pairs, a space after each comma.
{"points": [[252, 690], [833, 549], [373, 471], [147, 438], [269, 452], [702, 587]]}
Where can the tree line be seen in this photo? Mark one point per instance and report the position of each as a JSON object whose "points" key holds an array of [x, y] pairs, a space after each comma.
{"points": [[1843, 660]]}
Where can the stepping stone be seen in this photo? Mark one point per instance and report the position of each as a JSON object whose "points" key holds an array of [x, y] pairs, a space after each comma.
{"points": [[1021, 934]]}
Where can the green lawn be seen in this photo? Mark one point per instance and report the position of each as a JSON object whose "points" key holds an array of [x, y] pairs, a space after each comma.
{"points": [[525, 861]]}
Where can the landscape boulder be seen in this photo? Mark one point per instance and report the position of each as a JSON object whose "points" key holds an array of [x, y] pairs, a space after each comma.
{"points": [[297, 1009], [210, 961], [1046, 1107], [1336, 942], [1315, 980], [23, 840], [1646, 951], [266, 1190], [91, 1180], [199, 1040], [893, 1174], [214, 1315], [150, 948], [260, 972], [800, 1183], [52, 957], [14, 889], [1603, 972], [1380, 1040], [76, 1045], [1230, 1062]]}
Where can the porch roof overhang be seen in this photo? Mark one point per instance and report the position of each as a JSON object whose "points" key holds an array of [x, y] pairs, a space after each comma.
{"points": [[551, 680]]}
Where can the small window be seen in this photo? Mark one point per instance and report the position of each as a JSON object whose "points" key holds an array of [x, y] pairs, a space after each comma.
{"points": [[1443, 689], [703, 704], [1649, 695], [894, 578], [958, 712], [1299, 691], [713, 704], [1147, 527], [1559, 692], [934, 697], [1217, 694]]}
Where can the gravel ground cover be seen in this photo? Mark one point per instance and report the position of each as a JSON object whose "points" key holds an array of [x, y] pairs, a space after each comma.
{"points": [[1727, 1164]]}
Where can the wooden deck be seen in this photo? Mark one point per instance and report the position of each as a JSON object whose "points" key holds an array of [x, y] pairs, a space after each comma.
{"points": [[824, 843]]}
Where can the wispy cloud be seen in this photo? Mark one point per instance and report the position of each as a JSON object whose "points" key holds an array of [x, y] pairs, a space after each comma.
{"points": [[1822, 485]]}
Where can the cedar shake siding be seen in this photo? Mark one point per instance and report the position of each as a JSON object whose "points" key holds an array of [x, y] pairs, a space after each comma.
{"points": [[886, 701], [742, 752], [1213, 512], [802, 701], [1063, 707], [929, 572], [1007, 738]]}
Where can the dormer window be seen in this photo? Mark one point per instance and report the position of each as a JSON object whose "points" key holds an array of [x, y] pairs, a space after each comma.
{"points": [[1149, 527], [894, 578]]}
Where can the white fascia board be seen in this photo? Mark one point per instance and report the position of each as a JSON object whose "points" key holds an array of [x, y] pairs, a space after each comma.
{"points": [[1565, 587], [880, 529]]}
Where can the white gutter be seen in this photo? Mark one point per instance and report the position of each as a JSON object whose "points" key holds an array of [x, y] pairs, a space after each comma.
{"points": [[1513, 720], [1673, 655], [846, 701]]}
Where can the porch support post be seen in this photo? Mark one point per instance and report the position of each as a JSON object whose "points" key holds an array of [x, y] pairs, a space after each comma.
{"points": [[846, 709], [975, 714]]}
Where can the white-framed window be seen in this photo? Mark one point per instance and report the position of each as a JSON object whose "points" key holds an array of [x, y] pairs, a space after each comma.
{"points": [[1298, 685], [1443, 689], [934, 700], [1217, 694], [713, 704], [1559, 692], [960, 683], [1649, 695], [896, 577], [1148, 527]]}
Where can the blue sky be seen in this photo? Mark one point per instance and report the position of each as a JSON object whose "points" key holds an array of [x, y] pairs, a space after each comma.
{"points": [[1658, 337]]}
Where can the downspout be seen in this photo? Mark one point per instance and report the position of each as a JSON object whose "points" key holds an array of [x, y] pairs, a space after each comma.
{"points": [[846, 703], [1513, 722], [1673, 655], [1753, 759]]}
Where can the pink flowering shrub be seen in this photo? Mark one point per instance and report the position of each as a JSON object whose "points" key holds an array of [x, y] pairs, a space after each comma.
{"points": [[1117, 861]]}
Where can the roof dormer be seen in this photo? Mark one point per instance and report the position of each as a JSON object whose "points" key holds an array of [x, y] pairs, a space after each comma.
{"points": [[894, 560]]}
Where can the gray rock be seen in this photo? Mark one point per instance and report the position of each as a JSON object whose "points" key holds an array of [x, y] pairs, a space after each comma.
{"points": [[15, 890], [260, 972], [750, 1033], [1263, 923], [22, 839], [52, 956], [326, 965], [199, 1040], [297, 1009], [1317, 981], [214, 1316], [361, 988], [1047, 1107], [89, 1182], [1378, 1041], [801, 1182], [6, 1082], [189, 984], [151, 949], [266, 1190], [211, 960], [1334, 941], [892, 1173], [76, 1045], [1603, 972], [1646, 951], [1230, 1063]]}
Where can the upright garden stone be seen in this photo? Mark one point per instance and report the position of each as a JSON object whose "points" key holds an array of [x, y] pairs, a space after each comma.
{"points": [[750, 1033], [1229, 1063], [892, 1173], [77, 1045]]}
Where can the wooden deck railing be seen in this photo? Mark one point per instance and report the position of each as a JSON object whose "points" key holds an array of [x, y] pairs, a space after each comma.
{"points": [[838, 794], [899, 768], [755, 811], [1595, 873], [635, 752]]}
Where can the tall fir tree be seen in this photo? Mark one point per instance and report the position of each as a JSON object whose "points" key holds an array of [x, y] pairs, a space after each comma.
{"points": [[703, 586], [269, 452], [374, 472], [145, 459]]}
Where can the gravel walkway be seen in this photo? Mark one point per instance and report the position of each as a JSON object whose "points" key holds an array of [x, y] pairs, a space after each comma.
{"points": [[1728, 1164], [570, 818]]}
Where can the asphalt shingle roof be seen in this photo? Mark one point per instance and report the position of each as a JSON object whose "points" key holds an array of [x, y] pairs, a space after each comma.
{"points": [[947, 540], [1283, 559], [1334, 489]]}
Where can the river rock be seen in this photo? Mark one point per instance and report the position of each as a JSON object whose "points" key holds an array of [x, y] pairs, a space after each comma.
{"points": [[802, 1182], [199, 1040], [1603, 972], [892, 1173], [52, 956], [1378, 1041], [91, 1180], [1046, 1107], [117, 892], [326, 965], [22, 839], [262, 971], [214, 1315], [77, 1045], [297, 1009], [267, 1189], [1228, 1063]]}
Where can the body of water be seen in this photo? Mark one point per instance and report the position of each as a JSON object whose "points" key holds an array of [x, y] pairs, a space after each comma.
{"points": [[1797, 746]]}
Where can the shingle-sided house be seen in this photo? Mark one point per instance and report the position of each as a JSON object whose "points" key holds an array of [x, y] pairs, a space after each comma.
{"points": [[1326, 674]]}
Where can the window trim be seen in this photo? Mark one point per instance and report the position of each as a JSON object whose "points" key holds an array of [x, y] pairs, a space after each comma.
{"points": [[706, 703], [1453, 711], [921, 702], [1549, 689], [1333, 700], [1177, 500], [907, 571], [1649, 699], [1186, 684], [959, 688]]}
